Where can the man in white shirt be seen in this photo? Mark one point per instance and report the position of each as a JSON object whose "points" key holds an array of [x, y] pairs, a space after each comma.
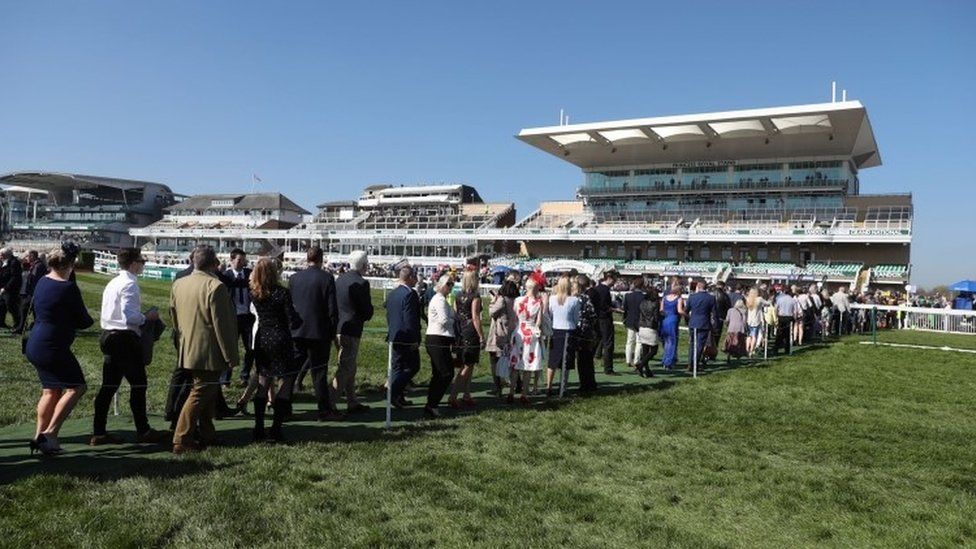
{"points": [[237, 279], [122, 321]]}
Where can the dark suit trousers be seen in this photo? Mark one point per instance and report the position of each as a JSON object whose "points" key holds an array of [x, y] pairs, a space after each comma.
{"points": [[25, 305], [123, 359], [606, 340], [406, 364], [179, 387], [784, 333], [696, 346], [12, 303], [442, 368], [313, 354], [245, 328]]}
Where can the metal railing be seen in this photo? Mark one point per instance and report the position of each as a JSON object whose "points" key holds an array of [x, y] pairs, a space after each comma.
{"points": [[902, 317]]}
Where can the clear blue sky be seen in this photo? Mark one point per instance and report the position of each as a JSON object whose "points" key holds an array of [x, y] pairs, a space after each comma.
{"points": [[321, 99]]}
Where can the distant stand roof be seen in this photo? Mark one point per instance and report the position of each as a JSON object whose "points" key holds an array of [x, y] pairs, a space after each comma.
{"points": [[49, 181], [256, 201], [822, 129]]}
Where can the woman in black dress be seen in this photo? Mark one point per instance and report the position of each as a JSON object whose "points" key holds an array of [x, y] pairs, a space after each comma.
{"points": [[58, 313], [471, 336], [274, 350]]}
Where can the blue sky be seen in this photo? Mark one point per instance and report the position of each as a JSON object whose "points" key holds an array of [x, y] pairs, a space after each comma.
{"points": [[321, 99]]}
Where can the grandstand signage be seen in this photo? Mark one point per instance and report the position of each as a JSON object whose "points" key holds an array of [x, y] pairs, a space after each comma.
{"points": [[704, 164]]}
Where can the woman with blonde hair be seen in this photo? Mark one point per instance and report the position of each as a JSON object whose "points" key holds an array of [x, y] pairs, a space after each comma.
{"points": [[440, 340], [468, 312], [274, 349], [59, 313], [754, 320], [526, 353], [564, 312]]}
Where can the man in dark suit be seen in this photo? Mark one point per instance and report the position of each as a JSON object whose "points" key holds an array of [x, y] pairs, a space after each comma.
{"points": [[632, 303], [237, 278], [403, 322], [604, 319], [36, 269], [355, 309], [313, 292], [701, 320], [11, 276]]}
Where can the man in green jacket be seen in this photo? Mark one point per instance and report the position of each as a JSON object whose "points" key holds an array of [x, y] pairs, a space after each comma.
{"points": [[205, 325]]}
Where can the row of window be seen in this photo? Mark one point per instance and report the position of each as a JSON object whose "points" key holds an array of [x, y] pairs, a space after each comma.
{"points": [[726, 253]]}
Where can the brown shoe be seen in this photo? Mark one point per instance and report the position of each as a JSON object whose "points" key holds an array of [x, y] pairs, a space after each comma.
{"points": [[185, 449], [107, 438], [153, 436]]}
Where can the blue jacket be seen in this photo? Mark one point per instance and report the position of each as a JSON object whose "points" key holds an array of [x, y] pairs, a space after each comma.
{"points": [[701, 307], [403, 315]]}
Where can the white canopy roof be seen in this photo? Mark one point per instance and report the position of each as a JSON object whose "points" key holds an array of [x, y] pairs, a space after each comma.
{"points": [[823, 129]]}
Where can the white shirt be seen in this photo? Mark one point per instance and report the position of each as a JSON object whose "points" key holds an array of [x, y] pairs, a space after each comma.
{"points": [[241, 296], [440, 317], [121, 304]]}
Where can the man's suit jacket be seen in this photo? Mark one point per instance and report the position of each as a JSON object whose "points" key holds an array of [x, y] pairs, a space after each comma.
{"points": [[355, 305], [701, 307], [11, 274], [632, 303], [204, 322], [313, 292], [403, 315]]}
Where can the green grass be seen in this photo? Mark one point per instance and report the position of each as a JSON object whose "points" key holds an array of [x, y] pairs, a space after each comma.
{"points": [[847, 445]]}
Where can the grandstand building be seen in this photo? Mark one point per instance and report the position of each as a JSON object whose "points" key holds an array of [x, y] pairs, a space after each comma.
{"points": [[38, 210], [762, 193], [425, 223]]}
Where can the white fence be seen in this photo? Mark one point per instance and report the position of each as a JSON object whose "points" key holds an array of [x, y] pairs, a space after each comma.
{"points": [[950, 321]]}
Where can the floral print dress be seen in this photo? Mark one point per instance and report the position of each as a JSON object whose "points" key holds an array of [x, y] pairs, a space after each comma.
{"points": [[525, 352]]}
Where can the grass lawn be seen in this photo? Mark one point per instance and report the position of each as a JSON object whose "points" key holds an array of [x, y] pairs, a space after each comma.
{"points": [[847, 445]]}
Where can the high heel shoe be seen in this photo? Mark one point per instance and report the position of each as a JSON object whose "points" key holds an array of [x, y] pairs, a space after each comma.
{"points": [[46, 445]]}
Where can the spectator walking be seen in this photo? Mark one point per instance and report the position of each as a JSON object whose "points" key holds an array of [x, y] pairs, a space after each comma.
{"points": [[59, 313], [313, 293], [122, 322], [205, 324], [355, 310], [403, 331], [631, 308]]}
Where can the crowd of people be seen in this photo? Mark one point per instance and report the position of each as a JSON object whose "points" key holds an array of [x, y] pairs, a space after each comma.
{"points": [[528, 326]]}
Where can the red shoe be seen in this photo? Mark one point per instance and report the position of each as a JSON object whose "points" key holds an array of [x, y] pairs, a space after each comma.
{"points": [[453, 403], [469, 402], [524, 401]]}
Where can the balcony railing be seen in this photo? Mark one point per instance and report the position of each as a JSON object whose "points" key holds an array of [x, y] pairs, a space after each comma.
{"points": [[618, 189]]}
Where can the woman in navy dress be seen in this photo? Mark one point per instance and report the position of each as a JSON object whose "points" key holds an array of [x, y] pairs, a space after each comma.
{"points": [[672, 307], [58, 313], [274, 349]]}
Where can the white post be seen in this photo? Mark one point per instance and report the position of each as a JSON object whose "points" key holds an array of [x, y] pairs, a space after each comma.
{"points": [[694, 352], [389, 386], [562, 376], [115, 403], [765, 333]]}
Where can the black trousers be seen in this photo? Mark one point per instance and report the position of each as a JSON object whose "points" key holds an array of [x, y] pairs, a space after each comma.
{"points": [[606, 340], [313, 354], [25, 305], [647, 353], [11, 301], [585, 354], [245, 329], [406, 364], [442, 368], [784, 333], [180, 384], [123, 359]]}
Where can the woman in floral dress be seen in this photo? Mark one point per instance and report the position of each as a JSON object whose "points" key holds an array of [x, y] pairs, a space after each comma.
{"points": [[526, 351]]}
